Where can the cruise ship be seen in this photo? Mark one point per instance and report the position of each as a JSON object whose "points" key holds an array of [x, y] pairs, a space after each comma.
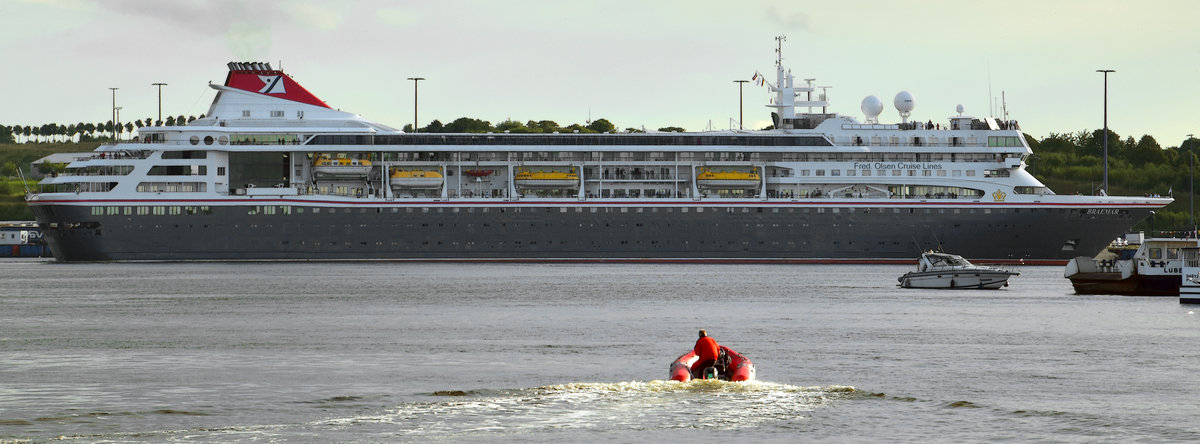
{"points": [[274, 173]]}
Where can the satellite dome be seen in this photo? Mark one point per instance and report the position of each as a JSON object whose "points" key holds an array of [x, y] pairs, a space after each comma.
{"points": [[905, 102], [959, 108], [871, 107]]}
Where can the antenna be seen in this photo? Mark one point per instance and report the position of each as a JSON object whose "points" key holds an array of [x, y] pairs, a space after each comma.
{"points": [[1004, 105], [779, 49], [991, 100]]}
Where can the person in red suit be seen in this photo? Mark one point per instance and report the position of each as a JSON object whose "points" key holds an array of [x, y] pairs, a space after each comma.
{"points": [[708, 351]]}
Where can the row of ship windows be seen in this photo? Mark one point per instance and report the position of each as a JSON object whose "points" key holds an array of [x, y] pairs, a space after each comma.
{"points": [[288, 210], [157, 170], [277, 113], [158, 210], [172, 187], [144, 187]]}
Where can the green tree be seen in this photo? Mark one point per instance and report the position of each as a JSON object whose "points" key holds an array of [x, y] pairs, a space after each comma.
{"points": [[1094, 144], [1191, 145], [544, 126], [577, 128], [1145, 151], [602, 126], [671, 129], [469, 125], [9, 169], [513, 126], [6, 134], [434, 127]]}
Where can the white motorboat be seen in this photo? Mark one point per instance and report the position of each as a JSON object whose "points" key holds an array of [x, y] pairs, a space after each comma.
{"points": [[942, 270]]}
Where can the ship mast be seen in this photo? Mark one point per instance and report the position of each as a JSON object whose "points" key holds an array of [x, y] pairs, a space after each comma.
{"points": [[786, 91]]}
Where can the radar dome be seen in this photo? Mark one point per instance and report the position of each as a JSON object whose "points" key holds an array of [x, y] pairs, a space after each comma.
{"points": [[905, 102], [871, 107], [959, 108]]}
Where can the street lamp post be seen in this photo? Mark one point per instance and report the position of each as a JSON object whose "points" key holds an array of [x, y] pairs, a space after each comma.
{"points": [[1192, 190], [159, 85], [1105, 71], [117, 123], [741, 86], [415, 81], [113, 111]]}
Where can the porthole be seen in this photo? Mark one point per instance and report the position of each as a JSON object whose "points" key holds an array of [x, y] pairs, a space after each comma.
{"points": [[223, 140], [195, 140], [208, 140]]}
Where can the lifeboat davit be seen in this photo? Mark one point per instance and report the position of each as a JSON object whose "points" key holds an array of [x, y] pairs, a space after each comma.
{"points": [[731, 366]]}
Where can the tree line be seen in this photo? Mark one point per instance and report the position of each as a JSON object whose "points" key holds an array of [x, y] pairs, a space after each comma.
{"points": [[1073, 163], [83, 132], [102, 131]]}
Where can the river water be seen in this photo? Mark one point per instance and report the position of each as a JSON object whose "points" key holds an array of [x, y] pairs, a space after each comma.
{"points": [[411, 352]]}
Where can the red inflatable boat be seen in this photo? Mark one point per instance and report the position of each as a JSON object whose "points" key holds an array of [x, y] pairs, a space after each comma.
{"points": [[730, 366]]}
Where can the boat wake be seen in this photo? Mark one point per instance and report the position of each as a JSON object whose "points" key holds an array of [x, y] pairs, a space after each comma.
{"points": [[538, 414], [652, 405]]}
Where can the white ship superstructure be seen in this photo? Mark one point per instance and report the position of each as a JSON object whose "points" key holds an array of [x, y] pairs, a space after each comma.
{"points": [[273, 173]]}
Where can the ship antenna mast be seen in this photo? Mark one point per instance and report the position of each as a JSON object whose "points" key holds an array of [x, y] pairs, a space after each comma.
{"points": [[779, 50]]}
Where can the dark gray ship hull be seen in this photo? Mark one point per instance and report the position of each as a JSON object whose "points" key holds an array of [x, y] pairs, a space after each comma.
{"points": [[678, 231]]}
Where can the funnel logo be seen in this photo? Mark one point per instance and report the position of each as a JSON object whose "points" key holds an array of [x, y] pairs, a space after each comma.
{"points": [[272, 85]]}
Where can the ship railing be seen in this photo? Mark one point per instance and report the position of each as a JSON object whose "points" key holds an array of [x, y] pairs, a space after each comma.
{"points": [[115, 155], [126, 141], [636, 177]]}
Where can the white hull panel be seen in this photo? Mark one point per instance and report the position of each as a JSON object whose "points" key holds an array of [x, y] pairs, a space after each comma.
{"points": [[963, 280]]}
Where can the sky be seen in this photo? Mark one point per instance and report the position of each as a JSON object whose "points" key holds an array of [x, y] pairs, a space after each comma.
{"points": [[636, 63]]}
